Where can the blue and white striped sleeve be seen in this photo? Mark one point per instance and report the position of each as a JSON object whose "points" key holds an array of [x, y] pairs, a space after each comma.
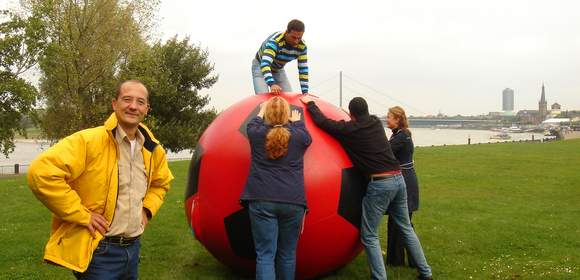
{"points": [[268, 56], [303, 70]]}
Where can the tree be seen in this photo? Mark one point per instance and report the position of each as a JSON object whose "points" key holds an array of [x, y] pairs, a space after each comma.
{"points": [[21, 41], [93, 45], [87, 42], [174, 72]]}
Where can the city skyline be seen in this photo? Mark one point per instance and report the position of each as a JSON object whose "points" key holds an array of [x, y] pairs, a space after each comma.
{"points": [[509, 97]]}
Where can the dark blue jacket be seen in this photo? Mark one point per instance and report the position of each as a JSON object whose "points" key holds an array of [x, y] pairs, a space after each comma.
{"points": [[280, 180], [403, 148]]}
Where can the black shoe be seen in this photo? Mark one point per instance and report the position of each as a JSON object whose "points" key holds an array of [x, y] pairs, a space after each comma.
{"points": [[425, 277]]}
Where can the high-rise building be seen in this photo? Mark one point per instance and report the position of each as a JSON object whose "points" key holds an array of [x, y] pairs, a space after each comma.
{"points": [[542, 106], [508, 100]]}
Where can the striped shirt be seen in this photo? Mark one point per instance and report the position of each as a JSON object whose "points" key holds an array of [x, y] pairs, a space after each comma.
{"points": [[275, 53]]}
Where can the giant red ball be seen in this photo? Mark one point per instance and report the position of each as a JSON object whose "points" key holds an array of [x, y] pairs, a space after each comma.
{"points": [[218, 172]]}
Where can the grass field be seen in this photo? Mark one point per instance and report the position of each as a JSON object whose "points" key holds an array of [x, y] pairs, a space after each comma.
{"points": [[496, 211]]}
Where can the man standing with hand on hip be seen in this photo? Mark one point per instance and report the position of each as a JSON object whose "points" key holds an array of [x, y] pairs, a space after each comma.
{"points": [[279, 49], [103, 185]]}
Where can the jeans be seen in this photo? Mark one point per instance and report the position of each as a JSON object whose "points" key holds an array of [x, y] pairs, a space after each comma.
{"points": [[111, 261], [275, 229], [260, 85], [391, 194]]}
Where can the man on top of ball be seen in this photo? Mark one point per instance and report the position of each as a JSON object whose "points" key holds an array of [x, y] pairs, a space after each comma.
{"points": [[364, 140], [277, 50]]}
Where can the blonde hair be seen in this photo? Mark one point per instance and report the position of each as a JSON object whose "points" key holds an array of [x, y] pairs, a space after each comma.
{"points": [[276, 114], [400, 115]]}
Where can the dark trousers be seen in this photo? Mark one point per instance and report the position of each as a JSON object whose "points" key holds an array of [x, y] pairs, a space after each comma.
{"points": [[396, 246], [113, 262]]}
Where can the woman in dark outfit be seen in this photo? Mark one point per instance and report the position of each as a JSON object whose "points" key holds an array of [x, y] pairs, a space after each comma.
{"points": [[274, 191], [402, 146]]}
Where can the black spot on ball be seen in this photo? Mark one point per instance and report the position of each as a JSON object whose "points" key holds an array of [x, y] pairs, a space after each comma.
{"points": [[352, 190], [239, 232], [194, 166]]}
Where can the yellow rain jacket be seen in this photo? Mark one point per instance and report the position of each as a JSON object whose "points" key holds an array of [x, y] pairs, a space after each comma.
{"points": [[79, 175]]}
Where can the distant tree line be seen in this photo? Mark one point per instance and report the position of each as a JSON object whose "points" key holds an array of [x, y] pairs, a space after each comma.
{"points": [[81, 50]]}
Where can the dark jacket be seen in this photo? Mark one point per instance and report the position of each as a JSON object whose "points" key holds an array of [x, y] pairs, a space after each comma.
{"points": [[280, 180], [403, 148], [364, 140]]}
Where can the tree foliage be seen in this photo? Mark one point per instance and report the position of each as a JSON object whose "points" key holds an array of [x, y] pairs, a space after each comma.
{"points": [[87, 43], [85, 48], [21, 42], [174, 72]]}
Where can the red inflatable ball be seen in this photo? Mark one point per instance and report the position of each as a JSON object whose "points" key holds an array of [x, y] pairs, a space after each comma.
{"points": [[218, 172]]}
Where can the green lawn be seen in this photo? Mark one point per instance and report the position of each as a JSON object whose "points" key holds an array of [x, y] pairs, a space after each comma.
{"points": [[495, 211]]}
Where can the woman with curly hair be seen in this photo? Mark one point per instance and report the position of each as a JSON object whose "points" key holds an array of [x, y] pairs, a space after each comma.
{"points": [[274, 191]]}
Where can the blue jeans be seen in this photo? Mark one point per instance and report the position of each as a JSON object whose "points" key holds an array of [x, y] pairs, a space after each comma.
{"points": [[391, 194], [260, 85], [275, 229], [111, 261]]}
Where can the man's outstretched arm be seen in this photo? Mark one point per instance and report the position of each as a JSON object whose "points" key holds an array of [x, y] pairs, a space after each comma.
{"points": [[331, 126]]}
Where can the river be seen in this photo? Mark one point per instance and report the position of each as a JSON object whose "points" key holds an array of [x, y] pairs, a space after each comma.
{"points": [[27, 150], [445, 136]]}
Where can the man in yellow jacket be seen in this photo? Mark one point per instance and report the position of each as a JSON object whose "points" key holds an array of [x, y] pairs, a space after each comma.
{"points": [[103, 185]]}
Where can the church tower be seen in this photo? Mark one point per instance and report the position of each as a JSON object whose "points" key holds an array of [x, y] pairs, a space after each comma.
{"points": [[542, 106]]}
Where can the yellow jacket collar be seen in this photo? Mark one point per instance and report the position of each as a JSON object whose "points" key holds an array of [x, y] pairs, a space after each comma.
{"points": [[150, 141]]}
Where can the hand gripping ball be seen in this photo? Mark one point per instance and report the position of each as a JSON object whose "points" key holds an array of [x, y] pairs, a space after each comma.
{"points": [[218, 172]]}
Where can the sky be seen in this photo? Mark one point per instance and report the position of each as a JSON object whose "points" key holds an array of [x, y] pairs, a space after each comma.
{"points": [[448, 56]]}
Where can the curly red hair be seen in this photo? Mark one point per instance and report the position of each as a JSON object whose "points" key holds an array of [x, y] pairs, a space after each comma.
{"points": [[276, 114]]}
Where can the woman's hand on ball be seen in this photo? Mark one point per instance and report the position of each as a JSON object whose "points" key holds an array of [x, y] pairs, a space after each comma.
{"points": [[295, 116], [262, 110]]}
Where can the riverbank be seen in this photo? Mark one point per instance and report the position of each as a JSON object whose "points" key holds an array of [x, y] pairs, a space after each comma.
{"points": [[572, 135], [501, 211], [27, 149]]}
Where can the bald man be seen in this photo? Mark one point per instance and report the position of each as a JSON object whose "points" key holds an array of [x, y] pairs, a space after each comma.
{"points": [[103, 185]]}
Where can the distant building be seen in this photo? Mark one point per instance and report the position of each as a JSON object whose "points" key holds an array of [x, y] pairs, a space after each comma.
{"points": [[537, 116], [542, 106], [507, 100], [527, 116], [556, 110]]}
